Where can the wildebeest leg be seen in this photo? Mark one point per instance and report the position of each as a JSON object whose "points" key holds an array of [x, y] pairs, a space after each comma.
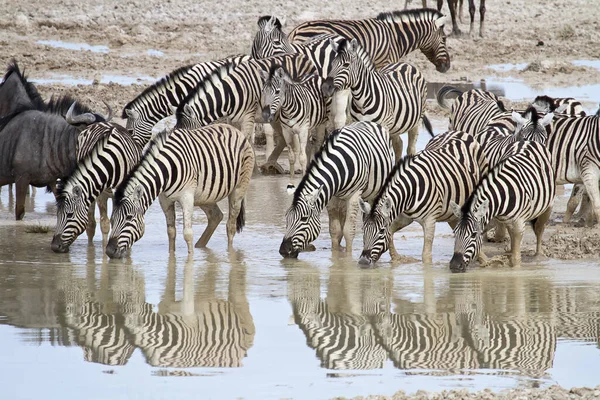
{"points": [[214, 216], [482, 17], [440, 3], [460, 10], [452, 6], [102, 201], [538, 227], [168, 207], [90, 230], [472, 15], [21, 186]]}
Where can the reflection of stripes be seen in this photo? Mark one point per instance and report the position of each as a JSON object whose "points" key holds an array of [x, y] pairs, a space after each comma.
{"points": [[215, 335]]}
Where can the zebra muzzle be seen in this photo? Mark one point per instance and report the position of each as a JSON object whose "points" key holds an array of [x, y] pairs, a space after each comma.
{"points": [[327, 88], [287, 249], [457, 263], [113, 250], [266, 115], [58, 246]]}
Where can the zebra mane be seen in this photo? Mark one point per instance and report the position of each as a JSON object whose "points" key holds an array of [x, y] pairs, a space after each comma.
{"points": [[65, 183], [151, 151], [160, 84], [491, 174], [410, 15], [399, 166], [314, 163], [212, 80], [265, 18], [30, 89], [531, 114], [362, 53]]}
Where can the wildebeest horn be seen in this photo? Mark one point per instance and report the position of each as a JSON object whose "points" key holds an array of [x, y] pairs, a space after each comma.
{"points": [[110, 112], [86, 118]]}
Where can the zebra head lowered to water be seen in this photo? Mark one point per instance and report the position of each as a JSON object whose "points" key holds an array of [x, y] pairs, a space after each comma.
{"points": [[352, 163], [174, 168]]}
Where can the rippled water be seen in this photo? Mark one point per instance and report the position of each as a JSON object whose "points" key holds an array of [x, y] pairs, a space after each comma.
{"points": [[248, 324]]}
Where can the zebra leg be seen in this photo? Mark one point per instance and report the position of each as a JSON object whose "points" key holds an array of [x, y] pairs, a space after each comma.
{"points": [[452, 6], [168, 207], [90, 229], [397, 225], [289, 140], [215, 216], [268, 129], [440, 3], [335, 210], [482, 17], [397, 145], [187, 209], [235, 207], [339, 105], [539, 226], [281, 144], [585, 214], [102, 202], [515, 230], [413, 135], [428, 235], [349, 230], [302, 137], [574, 200], [472, 15], [591, 175], [460, 11]]}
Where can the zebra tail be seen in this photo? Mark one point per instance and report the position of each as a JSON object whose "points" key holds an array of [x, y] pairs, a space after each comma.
{"points": [[240, 222], [443, 92], [427, 125]]}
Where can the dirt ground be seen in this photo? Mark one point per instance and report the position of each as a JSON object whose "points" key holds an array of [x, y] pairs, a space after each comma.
{"points": [[545, 35]]}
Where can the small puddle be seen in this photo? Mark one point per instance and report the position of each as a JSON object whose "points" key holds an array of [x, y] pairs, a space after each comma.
{"points": [[155, 53], [59, 44], [70, 80], [521, 66]]}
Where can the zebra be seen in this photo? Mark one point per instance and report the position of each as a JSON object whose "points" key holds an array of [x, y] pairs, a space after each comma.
{"points": [[301, 108], [174, 167], [472, 110], [520, 188], [104, 167], [352, 163], [388, 37], [394, 97], [420, 188], [558, 105], [157, 100]]}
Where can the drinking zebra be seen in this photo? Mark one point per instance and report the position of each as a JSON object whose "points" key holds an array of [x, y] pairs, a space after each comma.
{"points": [[174, 168], [104, 167], [520, 188], [388, 37], [393, 97], [420, 188], [352, 163], [158, 100], [301, 108]]}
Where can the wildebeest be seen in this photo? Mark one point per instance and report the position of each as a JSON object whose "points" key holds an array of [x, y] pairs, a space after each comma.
{"points": [[16, 92], [38, 147]]}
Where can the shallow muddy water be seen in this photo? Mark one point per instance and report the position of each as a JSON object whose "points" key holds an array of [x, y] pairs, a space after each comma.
{"points": [[248, 324]]}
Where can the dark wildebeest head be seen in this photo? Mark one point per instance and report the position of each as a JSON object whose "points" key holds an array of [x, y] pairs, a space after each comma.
{"points": [[16, 92]]}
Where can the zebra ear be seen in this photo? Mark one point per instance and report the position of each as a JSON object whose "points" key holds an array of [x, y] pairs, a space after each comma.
{"points": [[291, 189], [77, 191], [561, 109], [334, 45], [365, 207], [455, 209], [187, 110], [518, 118], [353, 45], [137, 193], [481, 210], [270, 25], [547, 119], [134, 114], [440, 22], [264, 75], [314, 196], [173, 109], [280, 73], [386, 207]]}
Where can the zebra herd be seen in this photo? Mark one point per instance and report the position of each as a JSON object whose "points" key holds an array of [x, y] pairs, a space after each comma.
{"points": [[490, 167]]}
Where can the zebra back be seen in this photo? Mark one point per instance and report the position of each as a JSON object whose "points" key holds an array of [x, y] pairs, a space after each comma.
{"points": [[472, 110], [158, 100], [389, 37], [563, 105]]}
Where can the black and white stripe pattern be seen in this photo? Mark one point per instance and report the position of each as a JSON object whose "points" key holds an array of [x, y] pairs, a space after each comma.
{"points": [[389, 37], [104, 167], [158, 100], [301, 108], [353, 163], [518, 189], [421, 188], [191, 167], [393, 97], [558, 105]]}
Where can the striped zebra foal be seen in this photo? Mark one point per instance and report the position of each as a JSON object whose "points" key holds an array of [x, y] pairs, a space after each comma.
{"points": [[301, 108], [393, 97], [352, 163], [388, 37], [158, 100], [420, 188], [104, 167], [174, 169], [519, 189]]}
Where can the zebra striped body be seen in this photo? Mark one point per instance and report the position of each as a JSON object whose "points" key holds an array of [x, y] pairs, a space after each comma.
{"points": [[472, 110], [104, 167], [158, 100], [393, 97], [518, 189], [421, 188], [301, 108], [559, 105], [389, 37], [234, 94], [352, 163], [176, 167]]}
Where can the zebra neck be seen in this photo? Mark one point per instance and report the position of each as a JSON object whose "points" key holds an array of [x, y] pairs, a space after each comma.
{"points": [[408, 37], [153, 183], [314, 181]]}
